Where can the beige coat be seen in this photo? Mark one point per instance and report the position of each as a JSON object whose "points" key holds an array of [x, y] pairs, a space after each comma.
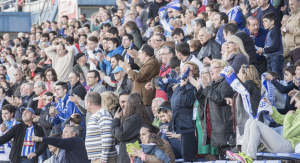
{"points": [[168, 151], [62, 65], [292, 38], [147, 71]]}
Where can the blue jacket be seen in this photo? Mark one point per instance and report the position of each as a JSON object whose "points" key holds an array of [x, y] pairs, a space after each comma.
{"points": [[236, 15], [105, 65], [220, 37], [259, 40], [118, 50], [153, 150], [65, 109], [182, 102], [273, 44]]}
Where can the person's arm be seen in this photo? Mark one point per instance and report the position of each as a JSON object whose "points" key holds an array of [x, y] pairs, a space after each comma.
{"points": [[71, 52], [138, 62], [9, 134], [108, 81], [67, 121], [12, 62], [145, 74], [218, 95], [283, 89], [278, 118], [275, 37], [108, 142], [67, 144], [50, 52], [290, 130], [105, 66], [81, 107]]}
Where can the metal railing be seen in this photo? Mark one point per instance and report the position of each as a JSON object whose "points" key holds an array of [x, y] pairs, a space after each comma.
{"points": [[10, 6]]}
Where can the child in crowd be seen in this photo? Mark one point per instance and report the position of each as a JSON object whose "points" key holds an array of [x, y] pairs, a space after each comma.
{"points": [[154, 146], [75, 120], [273, 48], [289, 75], [175, 68], [167, 130], [165, 116]]}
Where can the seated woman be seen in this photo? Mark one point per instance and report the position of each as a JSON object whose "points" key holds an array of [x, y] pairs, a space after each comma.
{"points": [[145, 131], [235, 53], [256, 131]]}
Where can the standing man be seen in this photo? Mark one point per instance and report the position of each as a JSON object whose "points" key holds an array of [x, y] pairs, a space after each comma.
{"points": [[149, 69], [24, 149], [99, 140], [220, 19], [127, 43], [233, 12], [264, 8], [83, 20], [258, 35], [62, 62], [291, 32]]}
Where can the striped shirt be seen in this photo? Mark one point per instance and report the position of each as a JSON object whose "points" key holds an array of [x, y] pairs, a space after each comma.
{"points": [[28, 145], [99, 140]]}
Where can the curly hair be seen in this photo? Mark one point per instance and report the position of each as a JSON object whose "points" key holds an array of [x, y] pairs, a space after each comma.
{"points": [[109, 100]]}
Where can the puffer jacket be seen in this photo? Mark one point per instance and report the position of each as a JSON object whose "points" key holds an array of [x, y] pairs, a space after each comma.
{"points": [[219, 112], [241, 115], [292, 39], [210, 49], [153, 150], [168, 151]]}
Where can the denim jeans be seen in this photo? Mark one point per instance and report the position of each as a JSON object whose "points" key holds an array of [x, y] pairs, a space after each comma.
{"points": [[175, 145], [25, 160], [276, 63]]}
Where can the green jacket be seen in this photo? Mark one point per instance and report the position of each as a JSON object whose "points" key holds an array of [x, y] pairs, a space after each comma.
{"points": [[77, 68], [291, 125]]}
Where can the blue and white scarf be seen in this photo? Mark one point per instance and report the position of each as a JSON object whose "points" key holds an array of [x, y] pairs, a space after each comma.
{"points": [[127, 55], [236, 85], [9, 125], [269, 88]]}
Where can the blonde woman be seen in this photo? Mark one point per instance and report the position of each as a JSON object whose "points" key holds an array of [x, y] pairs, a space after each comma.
{"points": [[110, 102], [235, 53], [248, 76], [214, 113]]}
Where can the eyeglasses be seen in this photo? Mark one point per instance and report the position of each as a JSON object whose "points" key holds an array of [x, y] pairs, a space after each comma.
{"points": [[16, 74], [229, 42], [164, 53], [213, 67], [202, 73], [245, 67], [170, 11], [2, 77], [157, 40]]}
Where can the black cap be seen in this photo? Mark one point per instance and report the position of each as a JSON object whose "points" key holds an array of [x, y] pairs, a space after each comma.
{"points": [[141, 5], [78, 55]]}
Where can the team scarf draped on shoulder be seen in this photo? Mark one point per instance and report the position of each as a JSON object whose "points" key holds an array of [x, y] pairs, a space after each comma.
{"points": [[237, 86]]}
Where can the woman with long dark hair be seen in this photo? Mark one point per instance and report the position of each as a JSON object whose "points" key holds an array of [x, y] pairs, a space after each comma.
{"points": [[135, 116]]}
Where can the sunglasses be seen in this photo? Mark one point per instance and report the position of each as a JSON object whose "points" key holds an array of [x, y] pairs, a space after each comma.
{"points": [[245, 67], [2, 77]]}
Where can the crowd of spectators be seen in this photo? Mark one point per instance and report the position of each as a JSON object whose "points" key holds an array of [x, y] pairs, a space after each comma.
{"points": [[183, 79]]}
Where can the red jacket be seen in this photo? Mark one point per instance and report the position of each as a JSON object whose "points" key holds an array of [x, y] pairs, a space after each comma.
{"points": [[162, 73], [201, 9]]}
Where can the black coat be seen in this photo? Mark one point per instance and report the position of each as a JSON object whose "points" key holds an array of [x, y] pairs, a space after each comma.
{"points": [[131, 60], [17, 86], [236, 61], [154, 8], [129, 132], [219, 112], [17, 132], [210, 49], [33, 104], [79, 90], [45, 120], [249, 46]]}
